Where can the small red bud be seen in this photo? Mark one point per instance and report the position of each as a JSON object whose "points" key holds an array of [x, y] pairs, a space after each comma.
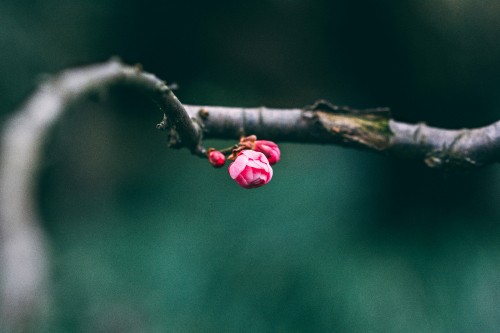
{"points": [[216, 158], [268, 148]]}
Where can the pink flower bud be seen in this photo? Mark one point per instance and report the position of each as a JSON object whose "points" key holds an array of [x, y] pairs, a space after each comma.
{"points": [[251, 169], [268, 148], [216, 158]]}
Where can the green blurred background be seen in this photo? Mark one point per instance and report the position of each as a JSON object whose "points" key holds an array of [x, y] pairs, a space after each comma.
{"points": [[147, 239]]}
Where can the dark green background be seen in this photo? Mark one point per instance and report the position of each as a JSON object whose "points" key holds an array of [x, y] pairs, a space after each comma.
{"points": [[146, 239]]}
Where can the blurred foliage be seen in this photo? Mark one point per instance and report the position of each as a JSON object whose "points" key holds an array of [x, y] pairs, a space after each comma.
{"points": [[146, 239]]}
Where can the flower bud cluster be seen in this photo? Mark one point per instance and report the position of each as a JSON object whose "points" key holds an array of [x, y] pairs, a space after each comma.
{"points": [[252, 161]]}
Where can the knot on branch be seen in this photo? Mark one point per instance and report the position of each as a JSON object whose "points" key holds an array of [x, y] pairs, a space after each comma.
{"points": [[175, 139], [454, 155], [365, 128], [448, 161]]}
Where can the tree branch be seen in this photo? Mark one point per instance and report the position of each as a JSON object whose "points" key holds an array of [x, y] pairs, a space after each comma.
{"points": [[370, 129], [23, 249]]}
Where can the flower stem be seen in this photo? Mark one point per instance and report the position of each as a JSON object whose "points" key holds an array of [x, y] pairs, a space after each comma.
{"points": [[228, 150]]}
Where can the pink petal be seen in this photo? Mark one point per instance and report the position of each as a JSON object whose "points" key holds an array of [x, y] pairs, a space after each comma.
{"points": [[247, 173], [266, 169], [251, 154], [264, 178], [253, 163], [256, 183], [257, 173], [265, 149], [270, 174], [263, 158], [242, 181], [264, 166], [267, 143], [274, 157], [237, 166]]}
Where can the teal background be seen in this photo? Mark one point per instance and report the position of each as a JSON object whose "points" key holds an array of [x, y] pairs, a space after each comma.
{"points": [[147, 239]]}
